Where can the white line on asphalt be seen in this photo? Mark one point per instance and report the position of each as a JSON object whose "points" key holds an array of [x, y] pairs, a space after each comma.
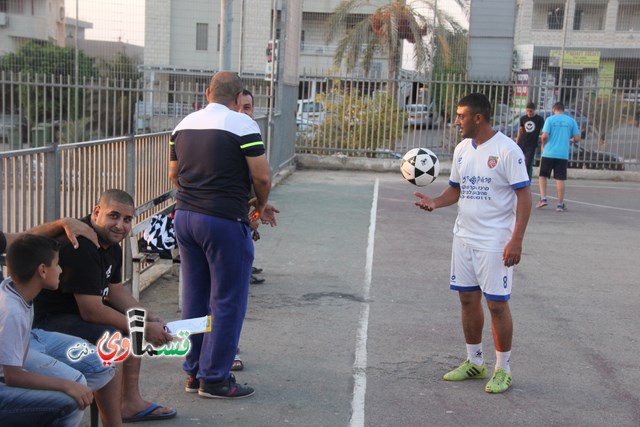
{"points": [[592, 204], [360, 363], [602, 206]]}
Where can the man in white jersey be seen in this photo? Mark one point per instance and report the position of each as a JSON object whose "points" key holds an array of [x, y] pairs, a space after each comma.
{"points": [[489, 181]]}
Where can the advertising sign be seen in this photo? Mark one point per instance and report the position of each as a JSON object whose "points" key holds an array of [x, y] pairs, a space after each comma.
{"points": [[575, 59]]}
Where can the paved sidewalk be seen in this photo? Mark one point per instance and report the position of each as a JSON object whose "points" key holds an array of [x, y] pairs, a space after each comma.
{"points": [[575, 307]]}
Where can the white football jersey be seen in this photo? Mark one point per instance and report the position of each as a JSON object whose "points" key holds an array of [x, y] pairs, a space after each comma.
{"points": [[487, 175]]}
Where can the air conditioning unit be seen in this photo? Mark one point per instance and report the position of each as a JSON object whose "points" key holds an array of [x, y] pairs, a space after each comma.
{"points": [[4, 19]]}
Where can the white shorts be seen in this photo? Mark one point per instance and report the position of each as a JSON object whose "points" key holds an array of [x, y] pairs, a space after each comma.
{"points": [[478, 270]]}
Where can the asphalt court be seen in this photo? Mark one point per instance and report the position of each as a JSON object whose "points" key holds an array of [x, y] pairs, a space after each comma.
{"points": [[355, 324]]}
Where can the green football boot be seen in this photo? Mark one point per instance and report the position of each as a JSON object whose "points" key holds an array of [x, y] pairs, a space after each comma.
{"points": [[466, 371], [499, 382]]}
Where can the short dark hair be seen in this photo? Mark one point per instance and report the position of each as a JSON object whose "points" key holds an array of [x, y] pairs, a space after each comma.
{"points": [[558, 106], [116, 195], [28, 252], [246, 92], [531, 105], [478, 103], [225, 86]]}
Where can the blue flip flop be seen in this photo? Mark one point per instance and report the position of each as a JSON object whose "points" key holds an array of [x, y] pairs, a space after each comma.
{"points": [[146, 415]]}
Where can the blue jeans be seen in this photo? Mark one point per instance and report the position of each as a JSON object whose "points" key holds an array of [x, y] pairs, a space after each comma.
{"points": [[48, 356], [56, 345], [216, 255]]}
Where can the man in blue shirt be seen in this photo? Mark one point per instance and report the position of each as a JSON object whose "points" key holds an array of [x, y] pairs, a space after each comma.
{"points": [[558, 133]]}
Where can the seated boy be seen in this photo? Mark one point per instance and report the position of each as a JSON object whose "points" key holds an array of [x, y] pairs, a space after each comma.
{"points": [[48, 387]]}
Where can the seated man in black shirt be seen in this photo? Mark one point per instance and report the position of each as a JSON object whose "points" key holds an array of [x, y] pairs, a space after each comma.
{"points": [[92, 300]]}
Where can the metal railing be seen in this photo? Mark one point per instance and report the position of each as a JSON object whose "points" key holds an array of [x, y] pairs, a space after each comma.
{"points": [[60, 180], [66, 180], [356, 122]]}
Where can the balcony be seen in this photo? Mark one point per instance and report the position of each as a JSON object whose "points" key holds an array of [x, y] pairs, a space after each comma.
{"points": [[30, 27]]}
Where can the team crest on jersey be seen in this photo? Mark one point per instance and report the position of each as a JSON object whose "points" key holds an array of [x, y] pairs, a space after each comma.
{"points": [[492, 162]]}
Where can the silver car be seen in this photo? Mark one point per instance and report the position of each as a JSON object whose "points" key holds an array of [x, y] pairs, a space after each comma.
{"points": [[421, 115]]}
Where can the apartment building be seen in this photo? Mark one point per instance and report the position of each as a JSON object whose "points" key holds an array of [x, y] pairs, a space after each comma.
{"points": [[22, 21], [600, 42], [182, 43]]}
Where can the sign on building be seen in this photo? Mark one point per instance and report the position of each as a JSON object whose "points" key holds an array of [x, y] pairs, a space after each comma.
{"points": [[575, 59], [272, 60], [524, 57]]}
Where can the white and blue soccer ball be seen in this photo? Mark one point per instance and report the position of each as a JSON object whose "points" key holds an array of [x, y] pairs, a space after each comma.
{"points": [[420, 166]]}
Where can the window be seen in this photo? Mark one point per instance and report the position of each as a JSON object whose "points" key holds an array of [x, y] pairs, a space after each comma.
{"points": [[589, 16], [555, 18], [577, 19], [302, 40], [202, 36], [628, 16], [13, 6]]}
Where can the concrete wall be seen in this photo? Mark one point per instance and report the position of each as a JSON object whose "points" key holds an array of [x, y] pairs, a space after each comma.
{"points": [[491, 29]]}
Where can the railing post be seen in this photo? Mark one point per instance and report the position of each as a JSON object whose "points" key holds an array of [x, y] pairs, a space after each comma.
{"points": [[130, 183], [52, 185], [130, 165]]}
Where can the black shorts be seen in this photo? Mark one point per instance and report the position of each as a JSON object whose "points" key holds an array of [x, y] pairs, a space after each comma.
{"points": [[558, 166]]}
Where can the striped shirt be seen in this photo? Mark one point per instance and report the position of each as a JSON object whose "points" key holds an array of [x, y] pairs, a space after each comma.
{"points": [[211, 146]]}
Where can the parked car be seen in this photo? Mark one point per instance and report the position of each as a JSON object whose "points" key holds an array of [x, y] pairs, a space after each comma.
{"points": [[421, 115], [504, 114], [13, 130], [581, 158], [310, 111], [385, 153], [510, 129]]}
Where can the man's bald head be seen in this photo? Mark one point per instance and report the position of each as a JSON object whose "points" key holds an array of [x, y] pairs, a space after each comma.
{"points": [[224, 88]]}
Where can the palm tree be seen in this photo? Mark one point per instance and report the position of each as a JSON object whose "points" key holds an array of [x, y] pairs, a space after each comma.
{"points": [[384, 30]]}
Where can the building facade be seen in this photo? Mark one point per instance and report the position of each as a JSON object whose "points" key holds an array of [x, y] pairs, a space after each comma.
{"points": [[596, 42], [183, 43], [22, 21]]}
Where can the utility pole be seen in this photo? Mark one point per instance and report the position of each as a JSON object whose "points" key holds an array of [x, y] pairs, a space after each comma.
{"points": [[274, 70], [226, 26], [565, 24]]}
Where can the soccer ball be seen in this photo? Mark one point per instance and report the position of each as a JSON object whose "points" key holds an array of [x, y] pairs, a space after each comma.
{"points": [[420, 166]]}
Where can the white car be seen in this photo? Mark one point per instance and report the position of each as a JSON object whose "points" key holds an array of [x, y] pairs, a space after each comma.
{"points": [[310, 112], [421, 115]]}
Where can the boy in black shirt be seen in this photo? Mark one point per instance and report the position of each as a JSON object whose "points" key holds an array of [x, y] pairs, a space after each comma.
{"points": [[529, 134]]}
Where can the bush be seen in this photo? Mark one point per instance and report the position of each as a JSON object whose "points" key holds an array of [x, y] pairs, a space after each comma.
{"points": [[356, 123]]}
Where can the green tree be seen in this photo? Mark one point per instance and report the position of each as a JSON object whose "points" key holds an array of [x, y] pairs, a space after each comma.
{"points": [[122, 66], [384, 30], [360, 124], [454, 61], [46, 71], [122, 77]]}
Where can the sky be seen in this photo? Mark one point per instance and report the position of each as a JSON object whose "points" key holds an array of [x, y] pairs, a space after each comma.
{"points": [[112, 20]]}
